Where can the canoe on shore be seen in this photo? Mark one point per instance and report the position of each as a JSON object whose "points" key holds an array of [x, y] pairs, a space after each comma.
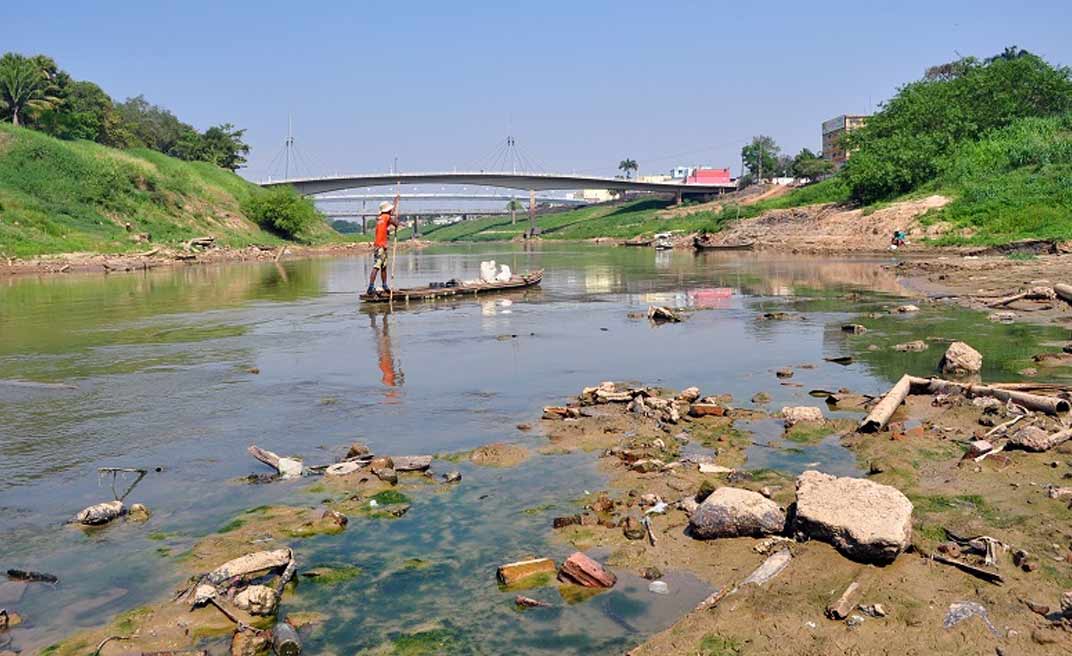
{"points": [[408, 294], [705, 245], [638, 241]]}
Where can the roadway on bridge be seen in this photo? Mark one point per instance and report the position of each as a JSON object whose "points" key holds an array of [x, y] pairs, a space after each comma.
{"points": [[520, 181]]}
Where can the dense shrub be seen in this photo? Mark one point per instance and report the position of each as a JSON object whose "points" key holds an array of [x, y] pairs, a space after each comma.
{"points": [[283, 211]]}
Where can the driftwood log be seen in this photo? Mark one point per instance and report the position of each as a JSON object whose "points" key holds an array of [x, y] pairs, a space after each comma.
{"points": [[1064, 292], [840, 608], [100, 513], [1033, 294], [978, 572], [260, 561], [881, 413], [1047, 404], [287, 467]]}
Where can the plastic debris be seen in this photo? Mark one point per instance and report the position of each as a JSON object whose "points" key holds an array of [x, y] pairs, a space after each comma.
{"points": [[659, 587], [962, 610]]}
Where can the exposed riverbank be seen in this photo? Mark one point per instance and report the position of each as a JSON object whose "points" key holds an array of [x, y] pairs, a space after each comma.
{"points": [[300, 372]]}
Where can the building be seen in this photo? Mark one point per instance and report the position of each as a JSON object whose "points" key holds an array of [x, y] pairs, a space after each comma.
{"points": [[593, 195], [834, 130], [700, 175], [654, 178], [682, 172]]}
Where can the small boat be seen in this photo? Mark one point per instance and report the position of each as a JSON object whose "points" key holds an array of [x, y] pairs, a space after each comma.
{"points": [[639, 241], [705, 244], [463, 290]]}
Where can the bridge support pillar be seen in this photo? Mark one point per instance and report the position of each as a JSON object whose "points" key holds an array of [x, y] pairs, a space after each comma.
{"points": [[532, 212], [364, 225], [678, 198]]}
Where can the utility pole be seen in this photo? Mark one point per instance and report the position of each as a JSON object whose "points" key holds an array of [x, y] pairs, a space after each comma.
{"points": [[532, 212]]}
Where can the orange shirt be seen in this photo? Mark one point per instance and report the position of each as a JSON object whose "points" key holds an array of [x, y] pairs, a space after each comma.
{"points": [[382, 225]]}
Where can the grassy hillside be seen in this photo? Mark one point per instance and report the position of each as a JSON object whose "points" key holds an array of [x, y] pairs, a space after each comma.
{"points": [[631, 218], [73, 196], [1015, 183]]}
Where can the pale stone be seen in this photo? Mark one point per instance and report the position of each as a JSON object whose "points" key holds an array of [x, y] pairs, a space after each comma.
{"points": [[730, 512]]}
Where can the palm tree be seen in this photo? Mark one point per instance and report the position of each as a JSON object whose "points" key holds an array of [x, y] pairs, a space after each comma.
{"points": [[514, 205], [24, 86], [627, 166]]}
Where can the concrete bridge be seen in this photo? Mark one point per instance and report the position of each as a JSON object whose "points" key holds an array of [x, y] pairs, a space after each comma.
{"points": [[349, 198], [530, 182]]}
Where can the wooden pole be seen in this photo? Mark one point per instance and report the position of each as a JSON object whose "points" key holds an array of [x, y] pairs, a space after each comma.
{"points": [[394, 248]]}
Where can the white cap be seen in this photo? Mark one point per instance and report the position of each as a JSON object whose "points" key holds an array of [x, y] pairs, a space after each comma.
{"points": [[386, 206]]}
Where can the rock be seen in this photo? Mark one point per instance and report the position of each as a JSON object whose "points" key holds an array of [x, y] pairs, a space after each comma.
{"points": [[731, 512], [904, 309], [647, 466], [689, 394], [793, 415], [785, 372], [387, 475], [854, 621], [561, 412], [706, 410], [342, 469], [290, 468], [961, 360], [712, 468], [1066, 605], [1029, 438], [412, 463], [382, 462], [864, 520], [528, 602], [568, 520], [915, 346], [854, 328], [689, 505], [452, 477], [1028, 372], [632, 529], [9, 619], [661, 314], [761, 398], [766, 491], [1002, 317], [251, 642], [511, 573], [101, 513], [138, 513], [979, 447], [581, 570], [257, 600], [499, 454], [524, 427], [334, 517], [874, 610], [357, 450]]}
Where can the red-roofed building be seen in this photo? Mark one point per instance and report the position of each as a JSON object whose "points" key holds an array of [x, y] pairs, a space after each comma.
{"points": [[709, 176]]}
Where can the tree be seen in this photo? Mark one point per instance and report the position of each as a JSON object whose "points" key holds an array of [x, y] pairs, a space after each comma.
{"points": [[514, 205], [761, 157], [628, 166], [153, 126], [808, 165], [282, 210], [24, 87], [223, 146], [909, 141]]}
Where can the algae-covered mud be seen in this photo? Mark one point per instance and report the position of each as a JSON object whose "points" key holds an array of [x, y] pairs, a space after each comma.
{"points": [[179, 371]]}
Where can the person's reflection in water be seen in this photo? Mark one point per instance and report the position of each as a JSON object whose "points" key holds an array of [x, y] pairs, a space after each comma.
{"points": [[390, 373]]}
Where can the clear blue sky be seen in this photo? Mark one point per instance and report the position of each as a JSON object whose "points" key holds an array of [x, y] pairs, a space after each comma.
{"points": [[580, 84]]}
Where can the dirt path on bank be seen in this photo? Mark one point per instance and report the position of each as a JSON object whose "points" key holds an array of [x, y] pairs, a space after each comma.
{"points": [[168, 256]]}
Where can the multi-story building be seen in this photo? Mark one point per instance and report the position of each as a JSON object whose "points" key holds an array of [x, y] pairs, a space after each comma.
{"points": [[834, 130]]}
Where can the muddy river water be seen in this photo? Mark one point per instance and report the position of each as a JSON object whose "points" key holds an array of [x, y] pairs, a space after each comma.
{"points": [[154, 370]]}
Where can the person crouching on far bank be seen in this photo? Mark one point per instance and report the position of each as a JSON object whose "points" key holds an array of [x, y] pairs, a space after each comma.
{"points": [[388, 217]]}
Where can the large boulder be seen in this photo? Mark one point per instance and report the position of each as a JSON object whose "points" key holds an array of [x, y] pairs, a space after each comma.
{"points": [[961, 360], [731, 512], [864, 520], [796, 414]]}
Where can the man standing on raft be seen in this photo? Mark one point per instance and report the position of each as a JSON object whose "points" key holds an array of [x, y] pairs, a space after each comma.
{"points": [[388, 217]]}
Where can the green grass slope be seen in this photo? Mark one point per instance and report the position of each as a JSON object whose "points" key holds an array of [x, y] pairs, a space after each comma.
{"points": [[75, 196], [1016, 183]]}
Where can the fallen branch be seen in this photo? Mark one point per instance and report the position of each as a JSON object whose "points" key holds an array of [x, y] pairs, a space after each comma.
{"points": [[115, 471], [1033, 294], [881, 413], [100, 646], [285, 577], [979, 572], [1048, 404], [1007, 424], [647, 526]]}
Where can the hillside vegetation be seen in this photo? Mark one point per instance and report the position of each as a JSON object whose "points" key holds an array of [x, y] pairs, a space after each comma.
{"points": [[74, 196]]}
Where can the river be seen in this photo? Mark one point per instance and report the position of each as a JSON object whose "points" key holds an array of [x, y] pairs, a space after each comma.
{"points": [[181, 369]]}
